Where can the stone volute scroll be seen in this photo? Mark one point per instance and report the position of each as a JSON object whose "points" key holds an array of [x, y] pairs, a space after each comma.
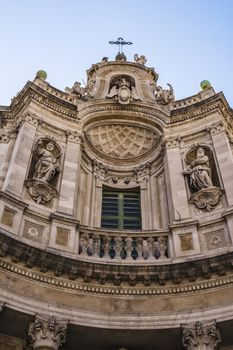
{"points": [[199, 170], [45, 167]]}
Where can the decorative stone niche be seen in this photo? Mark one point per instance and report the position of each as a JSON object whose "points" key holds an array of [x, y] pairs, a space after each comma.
{"points": [[44, 170], [202, 178], [8, 216]]}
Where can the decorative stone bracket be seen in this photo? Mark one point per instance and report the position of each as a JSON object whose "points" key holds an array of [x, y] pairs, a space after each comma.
{"points": [[207, 198], [40, 191]]}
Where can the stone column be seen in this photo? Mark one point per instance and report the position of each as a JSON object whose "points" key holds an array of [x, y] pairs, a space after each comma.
{"points": [[21, 155], [70, 174], [224, 158], [178, 200], [46, 333], [201, 336]]}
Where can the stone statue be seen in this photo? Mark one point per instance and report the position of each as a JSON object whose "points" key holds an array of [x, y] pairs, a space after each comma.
{"points": [[199, 171], [140, 59], [164, 96], [47, 165], [77, 89]]}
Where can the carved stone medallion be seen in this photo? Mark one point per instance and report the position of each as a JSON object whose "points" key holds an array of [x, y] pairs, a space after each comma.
{"points": [[122, 141]]}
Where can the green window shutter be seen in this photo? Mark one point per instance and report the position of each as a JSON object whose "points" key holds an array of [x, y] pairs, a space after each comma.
{"points": [[121, 209]]}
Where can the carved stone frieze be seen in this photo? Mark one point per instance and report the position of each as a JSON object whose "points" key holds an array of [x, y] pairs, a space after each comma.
{"points": [[207, 198], [122, 141], [201, 336], [47, 333]]}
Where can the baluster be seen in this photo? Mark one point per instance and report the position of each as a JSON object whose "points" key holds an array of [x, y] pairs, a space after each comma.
{"points": [[96, 246], [150, 247], [128, 248], [118, 247], [84, 242], [162, 246], [106, 247], [139, 248]]}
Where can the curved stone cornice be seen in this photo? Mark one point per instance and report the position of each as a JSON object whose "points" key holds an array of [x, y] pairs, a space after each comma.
{"points": [[148, 273], [119, 318]]}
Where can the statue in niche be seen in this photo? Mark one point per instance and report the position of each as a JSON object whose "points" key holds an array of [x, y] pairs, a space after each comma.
{"points": [[164, 96], [47, 165], [199, 171], [123, 91]]}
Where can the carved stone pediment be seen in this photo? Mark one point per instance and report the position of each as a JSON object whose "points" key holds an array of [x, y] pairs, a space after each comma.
{"points": [[122, 141], [207, 198]]}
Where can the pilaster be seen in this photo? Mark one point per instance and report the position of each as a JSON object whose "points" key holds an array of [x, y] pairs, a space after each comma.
{"points": [[70, 174], [224, 158], [178, 200], [21, 154]]}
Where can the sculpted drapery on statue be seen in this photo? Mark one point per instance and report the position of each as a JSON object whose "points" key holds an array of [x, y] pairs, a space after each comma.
{"points": [[47, 165], [199, 171], [46, 154]]}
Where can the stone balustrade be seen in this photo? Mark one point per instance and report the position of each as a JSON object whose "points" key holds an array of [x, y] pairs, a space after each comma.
{"points": [[123, 247]]}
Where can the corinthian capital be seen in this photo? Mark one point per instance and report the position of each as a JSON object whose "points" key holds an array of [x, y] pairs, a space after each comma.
{"points": [[47, 333], [74, 136], [201, 336]]}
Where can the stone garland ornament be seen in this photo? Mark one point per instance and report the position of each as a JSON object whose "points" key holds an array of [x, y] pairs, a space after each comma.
{"points": [[123, 90], [47, 153], [205, 195]]}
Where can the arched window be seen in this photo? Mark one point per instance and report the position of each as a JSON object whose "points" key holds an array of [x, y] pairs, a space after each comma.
{"points": [[121, 209]]}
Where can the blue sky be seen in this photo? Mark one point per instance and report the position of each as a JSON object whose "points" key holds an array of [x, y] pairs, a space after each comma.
{"points": [[186, 41]]}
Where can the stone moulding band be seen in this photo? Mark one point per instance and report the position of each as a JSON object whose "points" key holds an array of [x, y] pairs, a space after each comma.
{"points": [[100, 320]]}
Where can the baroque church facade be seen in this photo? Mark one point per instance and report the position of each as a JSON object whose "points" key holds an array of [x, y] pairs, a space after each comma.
{"points": [[116, 215]]}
